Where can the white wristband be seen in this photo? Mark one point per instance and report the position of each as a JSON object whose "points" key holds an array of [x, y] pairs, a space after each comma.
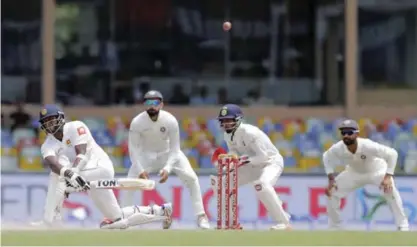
{"points": [[62, 171]]}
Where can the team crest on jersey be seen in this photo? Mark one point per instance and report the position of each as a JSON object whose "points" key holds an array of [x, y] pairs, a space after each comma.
{"points": [[81, 131], [363, 156], [223, 112], [68, 142], [162, 129], [43, 112]]}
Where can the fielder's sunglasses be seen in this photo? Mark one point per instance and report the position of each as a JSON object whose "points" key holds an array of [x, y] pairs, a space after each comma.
{"points": [[152, 102], [348, 132]]}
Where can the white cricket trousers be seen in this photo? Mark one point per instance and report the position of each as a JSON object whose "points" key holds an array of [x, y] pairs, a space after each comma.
{"points": [[348, 181], [104, 200], [263, 179], [152, 163]]}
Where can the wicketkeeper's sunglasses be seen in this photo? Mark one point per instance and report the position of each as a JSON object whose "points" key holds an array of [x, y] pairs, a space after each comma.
{"points": [[348, 132], [152, 102]]}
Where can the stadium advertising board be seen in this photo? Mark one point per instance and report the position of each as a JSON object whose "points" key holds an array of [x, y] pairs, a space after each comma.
{"points": [[22, 200]]}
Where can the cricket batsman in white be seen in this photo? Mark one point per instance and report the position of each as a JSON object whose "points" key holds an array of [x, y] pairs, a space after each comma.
{"points": [[73, 142], [367, 162], [260, 162], [154, 146]]}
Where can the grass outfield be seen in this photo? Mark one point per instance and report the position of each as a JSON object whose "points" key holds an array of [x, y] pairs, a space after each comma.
{"points": [[184, 237]]}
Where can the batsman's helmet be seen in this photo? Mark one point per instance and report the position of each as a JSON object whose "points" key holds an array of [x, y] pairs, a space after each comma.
{"points": [[51, 118]]}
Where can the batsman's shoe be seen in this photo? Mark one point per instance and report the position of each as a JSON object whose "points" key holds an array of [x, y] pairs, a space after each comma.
{"points": [[281, 227], [116, 224], [403, 229], [167, 207], [203, 222]]}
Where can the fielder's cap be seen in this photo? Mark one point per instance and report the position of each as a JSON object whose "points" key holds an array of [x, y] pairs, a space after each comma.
{"points": [[349, 124], [153, 94]]}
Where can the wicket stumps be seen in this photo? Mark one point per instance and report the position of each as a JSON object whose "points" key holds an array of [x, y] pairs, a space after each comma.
{"points": [[227, 164]]}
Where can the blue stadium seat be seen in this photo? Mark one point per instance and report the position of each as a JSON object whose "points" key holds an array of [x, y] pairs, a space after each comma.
{"points": [[290, 161], [9, 158], [393, 129], [279, 127], [315, 126], [103, 137], [183, 135], [126, 162], [191, 152], [268, 126], [409, 125], [224, 146], [205, 162], [120, 136], [94, 123], [213, 126], [23, 134], [7, 139]]}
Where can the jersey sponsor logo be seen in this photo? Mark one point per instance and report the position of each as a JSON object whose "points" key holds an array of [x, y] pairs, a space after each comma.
{"points": [[43, 112], [68, 142], [162, 129], [81, 131]]}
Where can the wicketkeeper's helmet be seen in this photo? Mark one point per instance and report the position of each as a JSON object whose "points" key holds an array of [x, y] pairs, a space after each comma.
{"points": [[230, 116]]}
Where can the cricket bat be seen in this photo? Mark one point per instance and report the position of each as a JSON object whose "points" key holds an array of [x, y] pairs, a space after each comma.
{"points": [[120, 183]]}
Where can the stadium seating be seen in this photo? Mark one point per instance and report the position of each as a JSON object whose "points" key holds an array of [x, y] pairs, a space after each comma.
{"points": [[301, 142]]}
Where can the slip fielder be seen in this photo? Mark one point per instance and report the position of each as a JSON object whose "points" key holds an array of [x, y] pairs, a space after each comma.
{"points": [[367, 162], [154, 146]]}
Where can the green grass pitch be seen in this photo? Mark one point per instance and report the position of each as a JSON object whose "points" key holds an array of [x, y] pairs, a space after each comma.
{"points": [[185, 237]]}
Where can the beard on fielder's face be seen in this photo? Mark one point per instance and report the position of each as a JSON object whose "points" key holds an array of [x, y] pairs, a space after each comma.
{"points": [[349, 136], [348, 141], [152, 112]]}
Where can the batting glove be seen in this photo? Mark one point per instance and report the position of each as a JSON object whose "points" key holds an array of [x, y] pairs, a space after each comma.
{"points": [[76, 180]]}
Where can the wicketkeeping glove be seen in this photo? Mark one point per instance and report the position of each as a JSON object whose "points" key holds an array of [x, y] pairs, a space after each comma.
{"points": [[243, 160]]}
